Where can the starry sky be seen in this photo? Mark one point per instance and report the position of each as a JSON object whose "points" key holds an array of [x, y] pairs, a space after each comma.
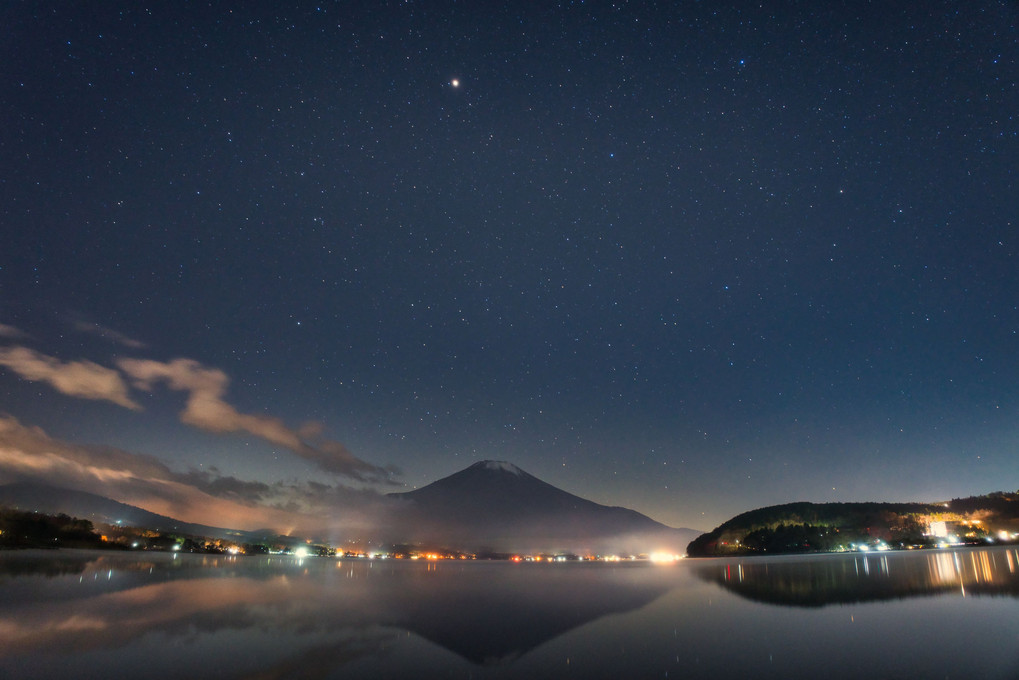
{"points": [[263, 264]]}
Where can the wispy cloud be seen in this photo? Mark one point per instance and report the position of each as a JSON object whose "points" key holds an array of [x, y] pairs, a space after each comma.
{"points": [[108, 334], [206, 408], [83, 379], [11, 332], [207, 497], [29, 454]]}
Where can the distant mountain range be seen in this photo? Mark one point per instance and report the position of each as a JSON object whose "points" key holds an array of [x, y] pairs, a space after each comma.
{"points": [[53, 500], [494, 505], [491, 506]]}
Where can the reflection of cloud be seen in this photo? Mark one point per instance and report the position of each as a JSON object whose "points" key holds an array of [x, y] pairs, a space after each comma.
{"points": [[122, 616], [108, 334], [151, 614], [28, 454], [207, 409], [83, 379], [329, 611]]}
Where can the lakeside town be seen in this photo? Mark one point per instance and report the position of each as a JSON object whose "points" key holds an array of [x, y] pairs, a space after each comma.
{"points": [[913, 531]]}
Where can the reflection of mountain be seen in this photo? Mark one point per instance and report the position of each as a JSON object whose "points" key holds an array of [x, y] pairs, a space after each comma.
{"points": [[485, 612], [492, 621], [498, 506], [820, 580]]}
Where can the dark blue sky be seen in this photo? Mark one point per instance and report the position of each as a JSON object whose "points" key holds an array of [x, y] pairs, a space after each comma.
{"points": [[687, 258]]}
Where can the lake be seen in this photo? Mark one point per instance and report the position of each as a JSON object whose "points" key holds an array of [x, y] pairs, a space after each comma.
{"points": [[912, 614]]}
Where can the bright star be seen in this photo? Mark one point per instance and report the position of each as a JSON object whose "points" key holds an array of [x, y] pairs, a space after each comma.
{"points": [[455, 82]]}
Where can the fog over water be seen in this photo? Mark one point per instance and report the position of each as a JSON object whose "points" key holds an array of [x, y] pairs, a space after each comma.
{"points": [[157, 615]]}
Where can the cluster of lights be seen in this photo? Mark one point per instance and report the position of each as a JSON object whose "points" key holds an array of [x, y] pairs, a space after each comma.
{"points": [[302, 552], [864, 547], [655, 557]]}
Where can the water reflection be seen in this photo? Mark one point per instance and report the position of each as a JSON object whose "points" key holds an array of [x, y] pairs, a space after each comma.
{"points": [[486, 613], [100, 615], [818, 580], [489, 614]]}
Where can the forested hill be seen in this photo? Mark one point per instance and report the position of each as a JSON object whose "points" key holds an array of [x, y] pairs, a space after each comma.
{"points": [[822, 527]]}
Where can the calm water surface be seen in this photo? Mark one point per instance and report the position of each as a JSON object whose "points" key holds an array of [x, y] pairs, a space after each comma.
{"points": [[944, 614]]}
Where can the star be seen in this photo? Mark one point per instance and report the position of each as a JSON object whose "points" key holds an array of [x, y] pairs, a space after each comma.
{"points": [[615, 309]]}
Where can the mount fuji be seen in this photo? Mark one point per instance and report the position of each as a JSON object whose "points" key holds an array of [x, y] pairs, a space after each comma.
{"points": [[496, 506]]}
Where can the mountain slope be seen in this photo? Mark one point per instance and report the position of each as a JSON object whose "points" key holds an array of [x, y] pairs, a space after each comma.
{"points": [[83, 505], [498, 506]]}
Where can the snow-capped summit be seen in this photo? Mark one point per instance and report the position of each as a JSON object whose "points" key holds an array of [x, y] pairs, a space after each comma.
{"points": [[499, 465]]}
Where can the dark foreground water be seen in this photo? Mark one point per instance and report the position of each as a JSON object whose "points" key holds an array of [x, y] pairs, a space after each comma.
{"points": [[944, 614]]}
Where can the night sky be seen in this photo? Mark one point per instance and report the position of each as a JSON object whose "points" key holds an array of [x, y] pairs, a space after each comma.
{"points": [[260, 265]]}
